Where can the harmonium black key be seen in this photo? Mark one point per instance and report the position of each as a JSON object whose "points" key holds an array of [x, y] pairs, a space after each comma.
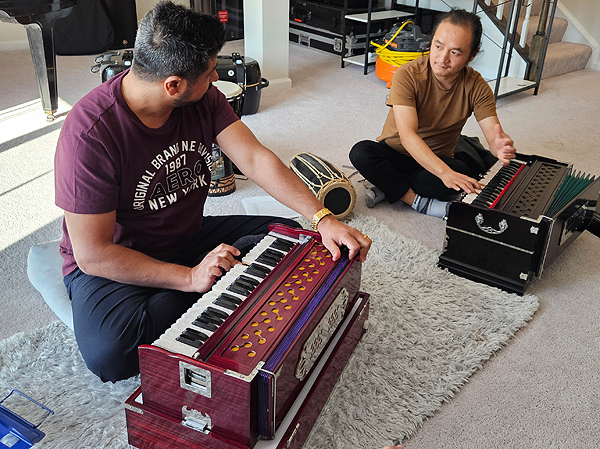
{"points": [[192, 337], [495, 186], [214, 307]]}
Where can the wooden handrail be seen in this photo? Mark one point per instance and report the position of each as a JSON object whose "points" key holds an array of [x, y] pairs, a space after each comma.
{"points": [[536, 49]]}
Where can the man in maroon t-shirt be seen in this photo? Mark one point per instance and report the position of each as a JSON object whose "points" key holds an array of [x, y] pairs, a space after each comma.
{"points": [[132, 171]]}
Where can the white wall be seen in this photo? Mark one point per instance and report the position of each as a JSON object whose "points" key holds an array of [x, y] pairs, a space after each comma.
{"points": [[587, 12], [12, 37], [584, 19]]}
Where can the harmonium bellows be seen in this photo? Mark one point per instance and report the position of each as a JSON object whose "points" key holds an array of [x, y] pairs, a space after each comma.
{"points": [[252, 363], [526, 214]]}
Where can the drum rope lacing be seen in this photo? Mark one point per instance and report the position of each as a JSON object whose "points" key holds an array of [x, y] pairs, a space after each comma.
{"points": [[332, 174]]}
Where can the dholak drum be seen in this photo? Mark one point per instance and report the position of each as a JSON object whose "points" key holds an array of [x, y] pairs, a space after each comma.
{"points": [[233, 93], [222, 179], [331, 187]]}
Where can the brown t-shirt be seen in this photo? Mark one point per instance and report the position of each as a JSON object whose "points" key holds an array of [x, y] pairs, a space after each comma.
{"points": [[442, 112]]}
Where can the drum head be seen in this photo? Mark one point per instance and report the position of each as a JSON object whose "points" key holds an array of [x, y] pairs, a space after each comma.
{"points": [[339, 197], [331, 187], [227, 88]]}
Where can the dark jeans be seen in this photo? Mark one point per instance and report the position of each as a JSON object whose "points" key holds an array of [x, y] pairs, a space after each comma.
{"points": [[394, 173], [112, 319]]}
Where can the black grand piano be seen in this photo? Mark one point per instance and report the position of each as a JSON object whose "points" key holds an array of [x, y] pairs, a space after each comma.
{"points": [[118, 25], [39, 17]]}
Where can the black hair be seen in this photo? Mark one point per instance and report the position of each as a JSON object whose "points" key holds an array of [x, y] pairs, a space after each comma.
{"points": [[174, 40], [463, 18]]}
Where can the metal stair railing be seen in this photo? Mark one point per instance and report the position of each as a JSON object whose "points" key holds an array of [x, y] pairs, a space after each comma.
{"points": [[540, 41], [533, 55]]}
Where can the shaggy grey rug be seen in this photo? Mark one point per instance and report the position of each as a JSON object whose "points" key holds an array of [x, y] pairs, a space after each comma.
{"points": [[428, 332]]}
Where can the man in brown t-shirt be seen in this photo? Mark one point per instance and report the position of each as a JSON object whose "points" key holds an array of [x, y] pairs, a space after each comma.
{"points": [[431, 98]]}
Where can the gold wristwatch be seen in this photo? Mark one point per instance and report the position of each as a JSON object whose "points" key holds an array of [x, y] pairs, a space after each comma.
{"points": [[319, 216]]}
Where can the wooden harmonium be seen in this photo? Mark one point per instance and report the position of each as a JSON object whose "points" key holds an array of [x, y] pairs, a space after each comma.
{"points": [[526, 214], [257, 356]]}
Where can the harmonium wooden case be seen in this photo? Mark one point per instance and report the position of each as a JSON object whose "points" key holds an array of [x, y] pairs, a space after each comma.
{"points": [[526, 214], [253, 362]]}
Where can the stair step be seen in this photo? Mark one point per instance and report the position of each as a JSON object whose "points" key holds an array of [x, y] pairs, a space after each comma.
{"points": [[536, 7], [559, 26], [565, 57]]}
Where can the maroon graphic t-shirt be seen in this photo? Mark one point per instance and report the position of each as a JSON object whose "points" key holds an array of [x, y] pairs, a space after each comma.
{"points": [[157, 180]]}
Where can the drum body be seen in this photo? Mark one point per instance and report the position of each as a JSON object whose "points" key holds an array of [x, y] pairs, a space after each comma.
{"points": [[331, 187], [222, 179], [234, 94]]}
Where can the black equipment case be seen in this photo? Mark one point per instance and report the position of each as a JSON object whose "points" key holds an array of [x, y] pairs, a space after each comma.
{"points": [[323, 40], [323, 16], [351, 3], [112, 63], [245, 72], [320, 25]]}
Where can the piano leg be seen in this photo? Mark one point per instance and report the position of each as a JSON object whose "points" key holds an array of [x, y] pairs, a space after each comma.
{"points": [[41, 44]]}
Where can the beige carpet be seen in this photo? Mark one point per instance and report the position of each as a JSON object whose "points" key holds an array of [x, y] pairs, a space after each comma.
{"points": [[540, 391], [428, 331]]}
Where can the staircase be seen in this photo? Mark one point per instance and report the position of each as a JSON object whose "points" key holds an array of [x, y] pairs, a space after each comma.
{"points": [[561, 57]]}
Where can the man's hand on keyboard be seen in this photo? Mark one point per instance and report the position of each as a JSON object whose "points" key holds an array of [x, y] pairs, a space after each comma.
{"points": [[214, 264], [335, 234]]}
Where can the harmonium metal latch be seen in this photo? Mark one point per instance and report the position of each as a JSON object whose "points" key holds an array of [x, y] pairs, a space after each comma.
{"points": [[196, 420]]}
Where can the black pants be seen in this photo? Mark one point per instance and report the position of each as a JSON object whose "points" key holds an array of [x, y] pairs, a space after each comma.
{"points": [[394, 173], [112, 319]]}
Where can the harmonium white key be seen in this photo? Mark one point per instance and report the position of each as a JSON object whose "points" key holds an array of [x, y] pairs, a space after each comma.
{"points": [[487, 177], [493, 183], [201, 320], [185, 337]]}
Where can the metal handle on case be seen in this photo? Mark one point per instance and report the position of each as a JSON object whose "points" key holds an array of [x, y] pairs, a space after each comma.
{"points": [[503, 226]]}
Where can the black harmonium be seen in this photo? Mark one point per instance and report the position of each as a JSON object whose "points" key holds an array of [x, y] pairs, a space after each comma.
{"points": [[526, 214]]}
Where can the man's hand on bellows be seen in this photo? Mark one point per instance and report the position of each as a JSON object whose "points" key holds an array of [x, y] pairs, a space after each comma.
{"points": [[505, 150], [335, 234], [220, 259]]}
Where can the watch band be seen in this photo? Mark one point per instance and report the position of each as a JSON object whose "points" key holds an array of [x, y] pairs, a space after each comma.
{"points": [[318, 216]]}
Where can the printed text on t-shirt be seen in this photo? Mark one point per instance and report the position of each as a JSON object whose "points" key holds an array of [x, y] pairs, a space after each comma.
{"points": [[178, 174]]}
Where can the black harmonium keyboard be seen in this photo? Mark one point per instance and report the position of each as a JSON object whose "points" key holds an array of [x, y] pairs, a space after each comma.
{"points": [[526, 214]]}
